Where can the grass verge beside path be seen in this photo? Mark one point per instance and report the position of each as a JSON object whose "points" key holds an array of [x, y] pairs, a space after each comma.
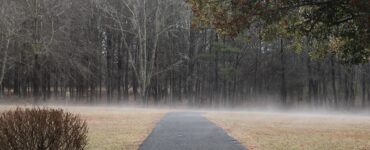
{"points": [[269, 131], [117, 129], [113, 128]]}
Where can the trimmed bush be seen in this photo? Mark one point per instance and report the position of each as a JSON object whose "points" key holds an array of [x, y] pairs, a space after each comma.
{"points": [[42, 129]]}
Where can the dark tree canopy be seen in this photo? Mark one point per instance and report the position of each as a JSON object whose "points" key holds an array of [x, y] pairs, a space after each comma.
{"points": [[231, 53], [343, 23]]}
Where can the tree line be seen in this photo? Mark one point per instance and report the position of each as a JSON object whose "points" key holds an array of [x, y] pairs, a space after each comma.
{"points": [[155, 52]]}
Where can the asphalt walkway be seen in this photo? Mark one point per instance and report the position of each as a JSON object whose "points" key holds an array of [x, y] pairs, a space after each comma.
{"points": [[188, 131]]}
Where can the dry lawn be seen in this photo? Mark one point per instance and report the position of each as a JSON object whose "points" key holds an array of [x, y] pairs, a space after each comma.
{"points": [[270, 131], [115, 128]]}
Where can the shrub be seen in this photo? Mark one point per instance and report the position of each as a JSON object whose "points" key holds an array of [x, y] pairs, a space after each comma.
{"points": [[42, 129]]}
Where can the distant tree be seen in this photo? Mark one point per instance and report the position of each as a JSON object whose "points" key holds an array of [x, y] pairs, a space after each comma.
{"points": [[346, 22], [11, 18], [145, 22]]}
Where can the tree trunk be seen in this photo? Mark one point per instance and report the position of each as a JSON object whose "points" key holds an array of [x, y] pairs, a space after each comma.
{"points": [[216, 71], [364, 86], [346, 87], [126, 86], [283, 92], [120, 71], [134, 86], [333, 84], [256, 65], [5, 60], [109, 58], [36, 78]]}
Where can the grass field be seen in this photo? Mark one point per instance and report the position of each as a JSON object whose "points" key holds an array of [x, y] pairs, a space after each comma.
{"points": [[113, 128], [278, 131]]}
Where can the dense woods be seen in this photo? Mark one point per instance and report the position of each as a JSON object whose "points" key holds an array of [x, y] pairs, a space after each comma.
{"points": [[156, 52]]}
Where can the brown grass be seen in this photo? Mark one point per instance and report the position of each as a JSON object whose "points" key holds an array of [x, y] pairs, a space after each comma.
{"points": [[113, 128], [269, 131]]}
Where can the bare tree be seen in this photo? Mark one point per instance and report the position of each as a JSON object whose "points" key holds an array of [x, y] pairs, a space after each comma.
{"points": [[11, 19], [146, 22]]}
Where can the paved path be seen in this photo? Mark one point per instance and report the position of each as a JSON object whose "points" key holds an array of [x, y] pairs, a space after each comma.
{"points": [[188, 131]]}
